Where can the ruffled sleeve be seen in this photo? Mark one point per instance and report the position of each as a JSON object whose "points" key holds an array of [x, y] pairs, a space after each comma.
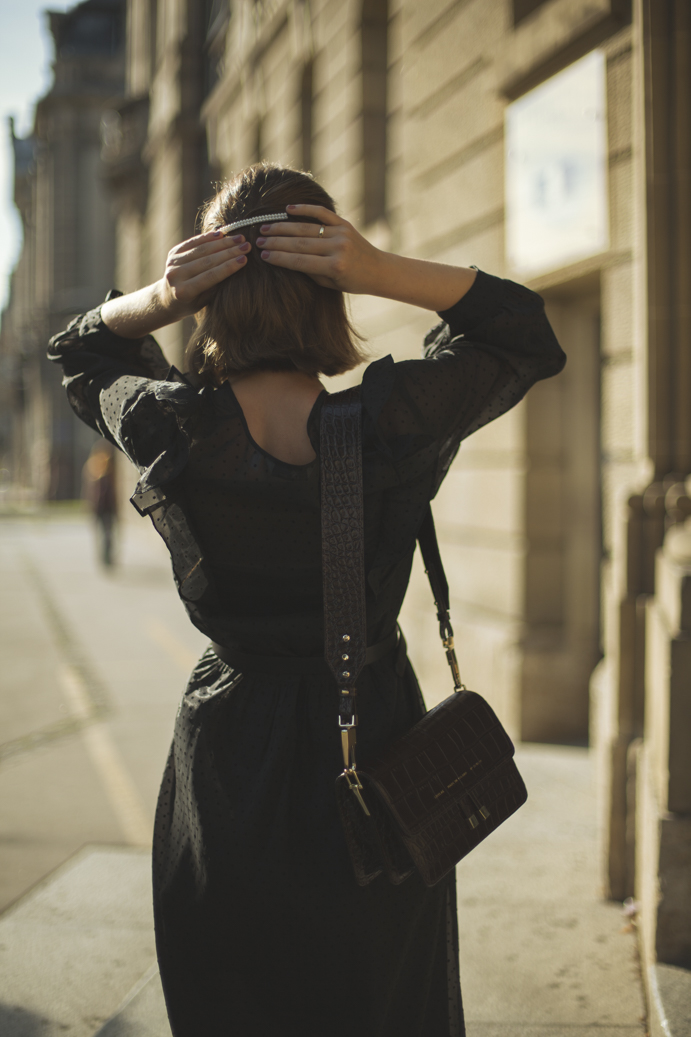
{"points": [[126, 391], [490, 348]]}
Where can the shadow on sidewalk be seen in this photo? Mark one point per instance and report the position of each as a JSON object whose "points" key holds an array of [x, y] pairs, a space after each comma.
{"points": [[17, 1022]]}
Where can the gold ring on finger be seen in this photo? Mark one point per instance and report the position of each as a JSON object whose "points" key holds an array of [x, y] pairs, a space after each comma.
{"points": [[321, 232]]}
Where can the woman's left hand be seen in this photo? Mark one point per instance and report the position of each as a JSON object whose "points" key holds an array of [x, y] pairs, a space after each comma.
{"points": [[338, 258], [193, 269]]}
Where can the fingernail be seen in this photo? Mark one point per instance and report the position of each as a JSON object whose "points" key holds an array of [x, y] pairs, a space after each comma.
{"points": [[238, 238], [246, 247], [218, 233], [265, 255], [261, 241], [291, 206], [241, 260], [265, 229]]}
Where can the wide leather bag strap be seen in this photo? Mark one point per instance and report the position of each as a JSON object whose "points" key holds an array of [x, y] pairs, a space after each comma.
{"points": [[343, 539], [343, 559]]}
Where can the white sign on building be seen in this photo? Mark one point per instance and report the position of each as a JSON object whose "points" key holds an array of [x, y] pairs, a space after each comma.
{"points": [[556, 169]]}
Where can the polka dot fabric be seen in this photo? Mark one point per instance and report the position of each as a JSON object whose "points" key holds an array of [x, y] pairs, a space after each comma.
{"points": [[261, 927]]}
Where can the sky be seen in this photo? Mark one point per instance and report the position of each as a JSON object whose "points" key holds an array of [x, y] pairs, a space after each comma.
{"points": [[25, 75]]}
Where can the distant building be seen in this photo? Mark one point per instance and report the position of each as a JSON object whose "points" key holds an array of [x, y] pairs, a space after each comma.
{"points": [[155, 142], [67, 260]]}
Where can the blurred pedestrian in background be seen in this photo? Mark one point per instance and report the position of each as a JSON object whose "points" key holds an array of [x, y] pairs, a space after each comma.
{"points": [[99, 490]]}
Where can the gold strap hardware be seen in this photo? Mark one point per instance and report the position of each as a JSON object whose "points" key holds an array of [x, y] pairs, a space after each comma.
{"points": [[451, 659], [351, 776], [348, 746], [348, 739]]}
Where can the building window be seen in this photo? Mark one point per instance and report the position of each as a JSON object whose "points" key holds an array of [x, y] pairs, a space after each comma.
{"points": [[374, 33], [556, 170], [306, 116], [522, 8]]}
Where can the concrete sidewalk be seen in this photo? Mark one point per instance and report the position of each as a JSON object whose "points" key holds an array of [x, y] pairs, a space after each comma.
{"points": [[72, 948], [541, 955]]}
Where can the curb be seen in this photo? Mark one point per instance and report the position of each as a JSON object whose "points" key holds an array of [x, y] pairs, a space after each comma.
{"points": [[670, 1001]]}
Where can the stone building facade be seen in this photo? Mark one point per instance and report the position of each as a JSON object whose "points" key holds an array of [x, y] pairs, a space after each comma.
{"points": [[67, 259], [437, 127]]}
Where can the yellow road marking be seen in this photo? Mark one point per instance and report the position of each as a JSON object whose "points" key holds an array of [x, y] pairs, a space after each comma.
{"points": [[161, 635], [123, 794]]}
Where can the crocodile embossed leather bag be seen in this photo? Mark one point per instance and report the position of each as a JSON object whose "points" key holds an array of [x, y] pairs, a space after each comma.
{"points": [[443, 787]]}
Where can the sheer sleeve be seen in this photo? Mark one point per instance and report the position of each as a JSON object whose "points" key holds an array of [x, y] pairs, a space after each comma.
{"points": [[478, 363], [123, 389]]}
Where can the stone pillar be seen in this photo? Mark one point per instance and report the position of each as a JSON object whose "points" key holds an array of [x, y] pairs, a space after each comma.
{"points": [[663, 824], [662, 85]]}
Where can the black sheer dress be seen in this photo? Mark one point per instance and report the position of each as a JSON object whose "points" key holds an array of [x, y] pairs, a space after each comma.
{"points": [[261, 928]]}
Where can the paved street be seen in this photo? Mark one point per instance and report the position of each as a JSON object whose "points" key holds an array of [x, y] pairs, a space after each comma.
{"points": [[93, 667], [79, 644]]}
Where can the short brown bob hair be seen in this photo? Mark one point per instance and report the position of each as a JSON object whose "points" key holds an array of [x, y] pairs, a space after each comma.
{"points": [[265, 316]]}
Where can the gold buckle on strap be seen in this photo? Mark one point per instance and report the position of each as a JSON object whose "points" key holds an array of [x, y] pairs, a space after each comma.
{"points": [[355, 786], [458, 684]]}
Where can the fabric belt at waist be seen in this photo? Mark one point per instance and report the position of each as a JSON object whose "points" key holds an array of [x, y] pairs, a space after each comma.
{"points": [[314, 664]]}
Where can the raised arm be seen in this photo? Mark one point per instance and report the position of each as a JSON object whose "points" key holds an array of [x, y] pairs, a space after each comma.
{"points": [[341, 258], [114, 371], [193, 269], [494, 343]]}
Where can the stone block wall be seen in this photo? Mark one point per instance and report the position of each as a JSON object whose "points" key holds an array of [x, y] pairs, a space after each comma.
{"points": [[663, 793]]}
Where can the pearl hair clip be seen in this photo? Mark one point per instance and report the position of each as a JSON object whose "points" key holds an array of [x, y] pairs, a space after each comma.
{"points": [[271, 218]]}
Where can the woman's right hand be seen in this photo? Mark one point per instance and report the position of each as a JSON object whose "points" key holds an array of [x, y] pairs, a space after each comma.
{"points": [[339, 257], [343, 259], [193, 269]]}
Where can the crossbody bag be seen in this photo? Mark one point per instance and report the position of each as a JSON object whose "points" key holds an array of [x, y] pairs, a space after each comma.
{"points": [[451, 780]]}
